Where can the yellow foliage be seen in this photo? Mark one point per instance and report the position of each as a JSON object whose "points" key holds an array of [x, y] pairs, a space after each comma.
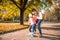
{"points": [[1, 13]]}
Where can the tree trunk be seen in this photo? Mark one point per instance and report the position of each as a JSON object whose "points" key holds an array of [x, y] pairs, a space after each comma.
{"points": [[21, 16]]}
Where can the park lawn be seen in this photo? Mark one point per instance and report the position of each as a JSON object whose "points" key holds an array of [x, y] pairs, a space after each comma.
{"points": [[11, 26]]}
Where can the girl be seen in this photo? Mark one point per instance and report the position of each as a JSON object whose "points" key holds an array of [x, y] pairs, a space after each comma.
{"points": [[32, 22], [31, 25]]}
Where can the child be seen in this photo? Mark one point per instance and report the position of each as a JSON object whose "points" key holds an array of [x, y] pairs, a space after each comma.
{"points": [[32, 22], [31, 25], [35, 14]]}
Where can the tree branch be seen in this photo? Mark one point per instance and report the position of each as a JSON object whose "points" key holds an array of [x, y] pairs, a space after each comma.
{"points": [[24, 5], [25, 2], [16, 4]]}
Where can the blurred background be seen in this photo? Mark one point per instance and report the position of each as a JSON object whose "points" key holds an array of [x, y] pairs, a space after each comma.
{"points": [[10, 10]]}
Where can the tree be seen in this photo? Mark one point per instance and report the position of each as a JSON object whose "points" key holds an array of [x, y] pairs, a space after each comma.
{"points": [[57, 14], [22, 7]]}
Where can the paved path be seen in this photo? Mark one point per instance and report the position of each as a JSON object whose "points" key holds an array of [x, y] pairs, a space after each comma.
{"points": [[50, 32]]}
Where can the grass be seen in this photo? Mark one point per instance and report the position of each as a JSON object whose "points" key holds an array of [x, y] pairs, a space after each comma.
{"points": [[15, 21], [11, 26]]}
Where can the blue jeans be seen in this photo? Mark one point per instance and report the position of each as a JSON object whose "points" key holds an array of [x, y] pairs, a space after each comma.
{"points": [[32, 28], [39, 28]]}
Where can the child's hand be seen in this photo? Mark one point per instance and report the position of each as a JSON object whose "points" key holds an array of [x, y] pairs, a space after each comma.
{"points": [[29, 23]]}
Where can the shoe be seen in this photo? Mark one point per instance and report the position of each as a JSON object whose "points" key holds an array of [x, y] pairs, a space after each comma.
{"points": [[35, 32], [31, 34], [40, 36]]}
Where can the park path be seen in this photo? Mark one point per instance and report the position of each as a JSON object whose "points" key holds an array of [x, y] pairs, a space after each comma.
{"points": [[50, 32]]}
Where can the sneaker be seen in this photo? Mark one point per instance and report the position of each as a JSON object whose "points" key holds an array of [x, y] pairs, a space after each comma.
{"points": [[31, 35], [35, 32], [40, 36]]}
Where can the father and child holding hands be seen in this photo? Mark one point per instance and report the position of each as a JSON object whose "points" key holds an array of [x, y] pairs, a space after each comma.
{"points": [[35, 17]]}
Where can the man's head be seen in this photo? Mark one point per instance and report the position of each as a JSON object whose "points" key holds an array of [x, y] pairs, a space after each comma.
{"points": [[34, 11]]}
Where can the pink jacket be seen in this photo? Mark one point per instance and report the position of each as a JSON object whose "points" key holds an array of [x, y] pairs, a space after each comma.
{"points": [[34, 19]]}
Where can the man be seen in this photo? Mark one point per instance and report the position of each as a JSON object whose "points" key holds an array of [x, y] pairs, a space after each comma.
{"points": [[40, 17]]}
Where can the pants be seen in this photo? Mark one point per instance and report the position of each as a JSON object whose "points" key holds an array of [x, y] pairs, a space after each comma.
{"points": [[39, 28], [32, 28]]}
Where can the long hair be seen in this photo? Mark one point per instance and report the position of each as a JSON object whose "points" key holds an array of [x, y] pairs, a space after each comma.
{"points": [[35, 10]]}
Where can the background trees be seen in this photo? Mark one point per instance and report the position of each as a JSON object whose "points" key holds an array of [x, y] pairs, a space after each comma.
{"points": [[19, 9], [24, 4]]}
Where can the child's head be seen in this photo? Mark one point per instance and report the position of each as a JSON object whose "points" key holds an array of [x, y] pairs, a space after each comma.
{"points": [[30, 15]]}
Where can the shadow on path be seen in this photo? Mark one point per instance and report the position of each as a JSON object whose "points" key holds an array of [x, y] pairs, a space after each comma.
{"points": [[52, 35], [51, 28], [51, 38], [56, 25]]}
